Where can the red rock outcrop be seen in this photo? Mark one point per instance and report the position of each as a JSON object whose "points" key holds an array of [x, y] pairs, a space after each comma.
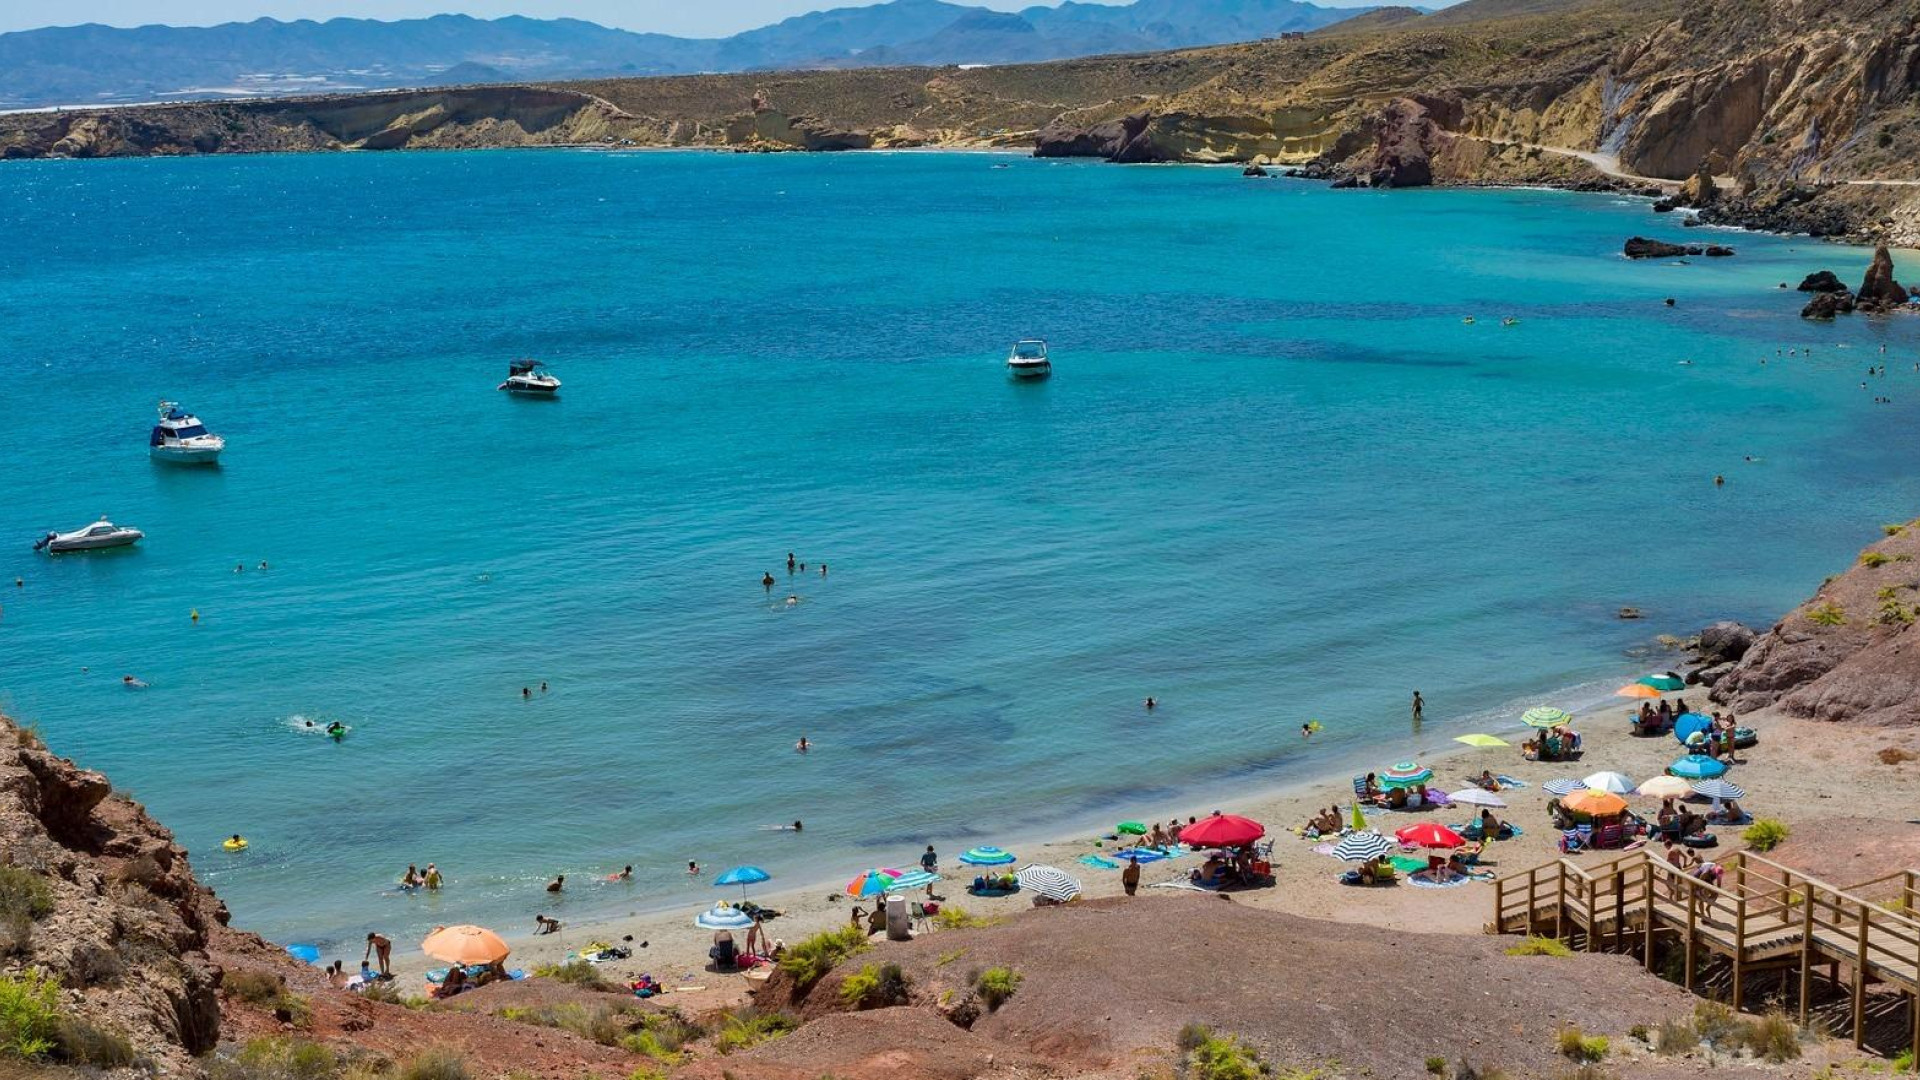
{"points": [[1850, 653]]}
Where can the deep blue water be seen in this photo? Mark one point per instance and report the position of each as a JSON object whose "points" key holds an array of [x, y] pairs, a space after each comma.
{"points": [[1275, 477]]}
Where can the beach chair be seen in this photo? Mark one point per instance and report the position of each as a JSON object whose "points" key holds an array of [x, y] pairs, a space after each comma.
{"points": [[1572, 842], [1360, 789], [919, 916], [1607, 837]]}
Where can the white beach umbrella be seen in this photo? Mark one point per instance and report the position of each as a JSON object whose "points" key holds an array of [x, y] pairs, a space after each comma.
{"points": [[1564, 786], [1717, 789], [1474, 796], [1616, 783], [1048, 881], [1665, 787]]}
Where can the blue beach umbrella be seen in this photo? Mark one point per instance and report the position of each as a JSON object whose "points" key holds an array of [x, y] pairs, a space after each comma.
{"points": [[912, 879], [723, 917], [1697, 767], [988, 856], [1687, 725], [742, 876]]}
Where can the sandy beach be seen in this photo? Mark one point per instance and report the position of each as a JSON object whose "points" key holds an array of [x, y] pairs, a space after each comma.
{"points": [[1802, 772]]}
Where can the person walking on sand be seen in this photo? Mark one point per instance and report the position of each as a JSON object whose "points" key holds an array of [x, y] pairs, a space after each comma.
{"points": [[1130, 877], [381, 948], [929, 861]]}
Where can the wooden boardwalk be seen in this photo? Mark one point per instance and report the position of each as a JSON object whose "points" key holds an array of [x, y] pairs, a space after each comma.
{"points": [[1763, 916]]}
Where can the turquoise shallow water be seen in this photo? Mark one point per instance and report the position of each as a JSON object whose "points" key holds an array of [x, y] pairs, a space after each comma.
{"points": [[1275, 478]]}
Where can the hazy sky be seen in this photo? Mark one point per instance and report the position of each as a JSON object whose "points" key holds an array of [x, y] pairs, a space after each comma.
{"points": [[697, 18]]}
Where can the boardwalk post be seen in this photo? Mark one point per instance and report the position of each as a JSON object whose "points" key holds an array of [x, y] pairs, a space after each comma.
{"points": [[1500, 905], [1647, 899], [1806, 954], [1860, 981], [1619, 906], [1533, 900], [1739, 947], [1560, 905], [1691, 934]]}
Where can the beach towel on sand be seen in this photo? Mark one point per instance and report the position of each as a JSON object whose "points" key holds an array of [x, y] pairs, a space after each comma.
{"points": [[1095, 860], [1445, 880], [1510, 782]]}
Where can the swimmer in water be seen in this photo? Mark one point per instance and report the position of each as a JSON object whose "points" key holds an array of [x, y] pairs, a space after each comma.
{"points": [[1152, 704], [337, 729], [790, 562], [823, 569], [624, 875], [543, 686], [238, 568], [693, 868], [559, 882], [526, 692], [263, 564], [766, 582], [793, 601], [308, 723], [802, 746], [1719, 481], [796, 825], [195, 615], [132, 683]]}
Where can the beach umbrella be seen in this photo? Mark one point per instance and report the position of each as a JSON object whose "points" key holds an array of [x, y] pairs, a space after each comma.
{"points": [[1618, 783], [1545, 716], [1481, 740], [306, 954], [1665, 787], [1563, 786], [1429, 834], [912, 879], [871, 882], [1054, 884], [1637, 690], [1359, 819], [1697, 767], [1130, 828], [1405, 774], [1474, 796], [987, 856], [742, 876], [1663, 682], [1597, 803], [1222, 830], [723, 917], [1362, 847], [465, 945], [1687, 725], [1719, 789]]}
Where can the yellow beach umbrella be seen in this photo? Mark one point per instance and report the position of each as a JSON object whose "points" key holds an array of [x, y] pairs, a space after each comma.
{"points": [[465, 945], [1481, 740], [1594, 801], [1637, 690]]}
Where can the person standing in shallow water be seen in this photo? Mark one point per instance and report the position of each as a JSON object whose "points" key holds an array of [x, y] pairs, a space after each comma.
{"points": [[1419, 710], [766, 582]]}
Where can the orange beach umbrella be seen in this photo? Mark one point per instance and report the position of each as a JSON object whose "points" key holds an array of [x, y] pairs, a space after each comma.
{"points": [[465, 945], [1637, 690], [1594, 801]]}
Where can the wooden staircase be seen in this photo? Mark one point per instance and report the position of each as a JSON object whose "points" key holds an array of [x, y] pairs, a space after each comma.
{"points": [[1763, 916]]}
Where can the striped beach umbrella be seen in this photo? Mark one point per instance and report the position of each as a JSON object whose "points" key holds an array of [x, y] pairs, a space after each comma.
{"points": [[1474, 796], [1362, 847], [1564, 786], [1717, 789], [1050, 882], [872, 882], [1402, 774], [1697, 767], [1545, 716], [1618, 783], [986, 856], [912, 879], [723, 917]]}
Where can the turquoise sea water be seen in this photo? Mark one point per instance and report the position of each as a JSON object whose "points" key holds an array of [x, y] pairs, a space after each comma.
{"points": [[1275, 478]]}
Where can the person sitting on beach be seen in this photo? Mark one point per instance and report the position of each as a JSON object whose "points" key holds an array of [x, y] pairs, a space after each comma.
{"points": [[337, 976], [1491, 828], [1641, 723], [1730, 814], [1209, 873], [1664, 712], [1396, 799], [1668, 819], [724, 954], [1371, 788], [1561, 818], [1487, 781], [455, 982]]}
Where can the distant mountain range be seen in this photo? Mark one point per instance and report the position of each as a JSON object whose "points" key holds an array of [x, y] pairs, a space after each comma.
{"points": [[94, 64]]}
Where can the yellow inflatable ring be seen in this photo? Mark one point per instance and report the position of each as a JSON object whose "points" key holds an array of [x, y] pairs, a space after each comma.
{"points": [[234, 845]]}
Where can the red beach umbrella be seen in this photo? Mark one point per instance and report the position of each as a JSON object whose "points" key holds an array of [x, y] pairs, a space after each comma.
{"points": [[1428, 834], [1222, 830]]}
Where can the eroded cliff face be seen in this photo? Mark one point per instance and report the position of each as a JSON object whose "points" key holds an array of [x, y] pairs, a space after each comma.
{"points": [[1851, 653], [126, 928]]}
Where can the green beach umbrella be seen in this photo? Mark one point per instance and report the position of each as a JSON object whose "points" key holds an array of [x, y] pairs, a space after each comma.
{"points": [[1663, 682], [1545, 716], [1130, 828], [1405, 774], [1359, 819]]}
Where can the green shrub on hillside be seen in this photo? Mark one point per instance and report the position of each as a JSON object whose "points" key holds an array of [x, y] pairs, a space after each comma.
{"points": [[810, 960], [29, 1015], [1540, 946], [751, 1028], [1765, 834], [995, 985], [1828, 614]]}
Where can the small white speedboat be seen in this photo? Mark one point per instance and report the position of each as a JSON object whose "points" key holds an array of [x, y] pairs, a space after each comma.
{"points": [[100, 534], [530, 377], [1028, 360], [180, 438]]}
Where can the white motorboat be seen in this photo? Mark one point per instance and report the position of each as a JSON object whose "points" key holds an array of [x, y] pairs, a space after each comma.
{"points": [[1028, 360], [100, 534], [530, 377], [182, 439]]}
